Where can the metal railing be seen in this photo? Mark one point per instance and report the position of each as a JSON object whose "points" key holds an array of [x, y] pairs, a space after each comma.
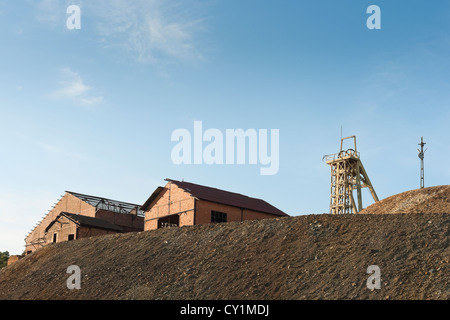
{"points": [[340, 155]]}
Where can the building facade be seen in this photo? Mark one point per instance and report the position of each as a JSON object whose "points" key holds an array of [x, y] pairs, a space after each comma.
{"points": [[69, 226], [105, 216], [181, 203]]}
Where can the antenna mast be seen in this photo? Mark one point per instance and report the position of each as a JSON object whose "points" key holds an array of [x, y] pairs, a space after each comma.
{"points": [[421, 157]]}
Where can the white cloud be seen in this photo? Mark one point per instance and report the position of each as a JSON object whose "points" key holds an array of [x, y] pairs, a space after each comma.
{"points": [[151, 31], [51, 12], [74, 89], [92, 101]]}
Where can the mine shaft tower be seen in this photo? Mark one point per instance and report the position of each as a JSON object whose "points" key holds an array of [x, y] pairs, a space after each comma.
{"points": [[347, 174]]}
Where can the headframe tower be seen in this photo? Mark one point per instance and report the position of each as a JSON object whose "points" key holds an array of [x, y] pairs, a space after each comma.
{"points": [[347, 174]]}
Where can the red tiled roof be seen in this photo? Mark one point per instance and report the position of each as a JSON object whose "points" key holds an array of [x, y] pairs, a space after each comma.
{"points": [[228, 198]]}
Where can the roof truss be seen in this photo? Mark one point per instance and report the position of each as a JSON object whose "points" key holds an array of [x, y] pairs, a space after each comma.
{"points": [[108, 204]]}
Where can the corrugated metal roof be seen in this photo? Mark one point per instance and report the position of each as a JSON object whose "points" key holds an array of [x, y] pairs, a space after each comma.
{"points": [[227, 197]]}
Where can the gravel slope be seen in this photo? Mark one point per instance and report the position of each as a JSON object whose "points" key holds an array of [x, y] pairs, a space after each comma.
{"points": [[303, 257], [427, 200]]}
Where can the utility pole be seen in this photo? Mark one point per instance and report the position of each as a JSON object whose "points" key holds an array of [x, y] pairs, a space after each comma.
{"points": [[421, 157]]}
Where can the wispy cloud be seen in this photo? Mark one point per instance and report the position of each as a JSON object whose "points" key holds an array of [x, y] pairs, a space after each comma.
{"points": [[73, 89], [151, 31], [51, 12]]}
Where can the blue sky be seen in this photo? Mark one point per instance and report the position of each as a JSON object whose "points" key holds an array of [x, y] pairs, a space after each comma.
{"points": [[92, 110]]}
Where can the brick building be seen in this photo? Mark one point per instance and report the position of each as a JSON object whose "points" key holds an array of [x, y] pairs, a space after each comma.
{"points": [[78, 215], [181, 203], [13, 259]]}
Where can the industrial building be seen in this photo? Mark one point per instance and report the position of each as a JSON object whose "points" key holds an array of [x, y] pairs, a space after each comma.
{"points": [[77, 216], [181, 203], [178, 203]]}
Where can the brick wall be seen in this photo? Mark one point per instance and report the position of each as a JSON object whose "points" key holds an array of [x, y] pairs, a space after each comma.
{"points": [[128, 222], [13, 259], [172, 200], [68, 203], [62, 228], [204, 208], [71, 204], [86, 232]]}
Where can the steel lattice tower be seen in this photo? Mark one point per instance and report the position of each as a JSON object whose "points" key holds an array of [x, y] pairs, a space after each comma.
{"points": [[421, 157], [347, 174]]}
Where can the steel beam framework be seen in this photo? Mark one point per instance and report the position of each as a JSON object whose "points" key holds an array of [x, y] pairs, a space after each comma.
{"points": [[108, 204], [347, 174]]}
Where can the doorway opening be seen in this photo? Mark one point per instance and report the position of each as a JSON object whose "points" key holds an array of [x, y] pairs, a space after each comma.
{"points": [[169, 221]]}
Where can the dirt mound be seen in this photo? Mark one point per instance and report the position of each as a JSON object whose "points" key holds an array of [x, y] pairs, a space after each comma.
{"points": [[303, 257], [427, 200]]}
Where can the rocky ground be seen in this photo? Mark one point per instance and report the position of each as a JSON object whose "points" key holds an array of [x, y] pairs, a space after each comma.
{"points": [[427, 200], [303, 257]]}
